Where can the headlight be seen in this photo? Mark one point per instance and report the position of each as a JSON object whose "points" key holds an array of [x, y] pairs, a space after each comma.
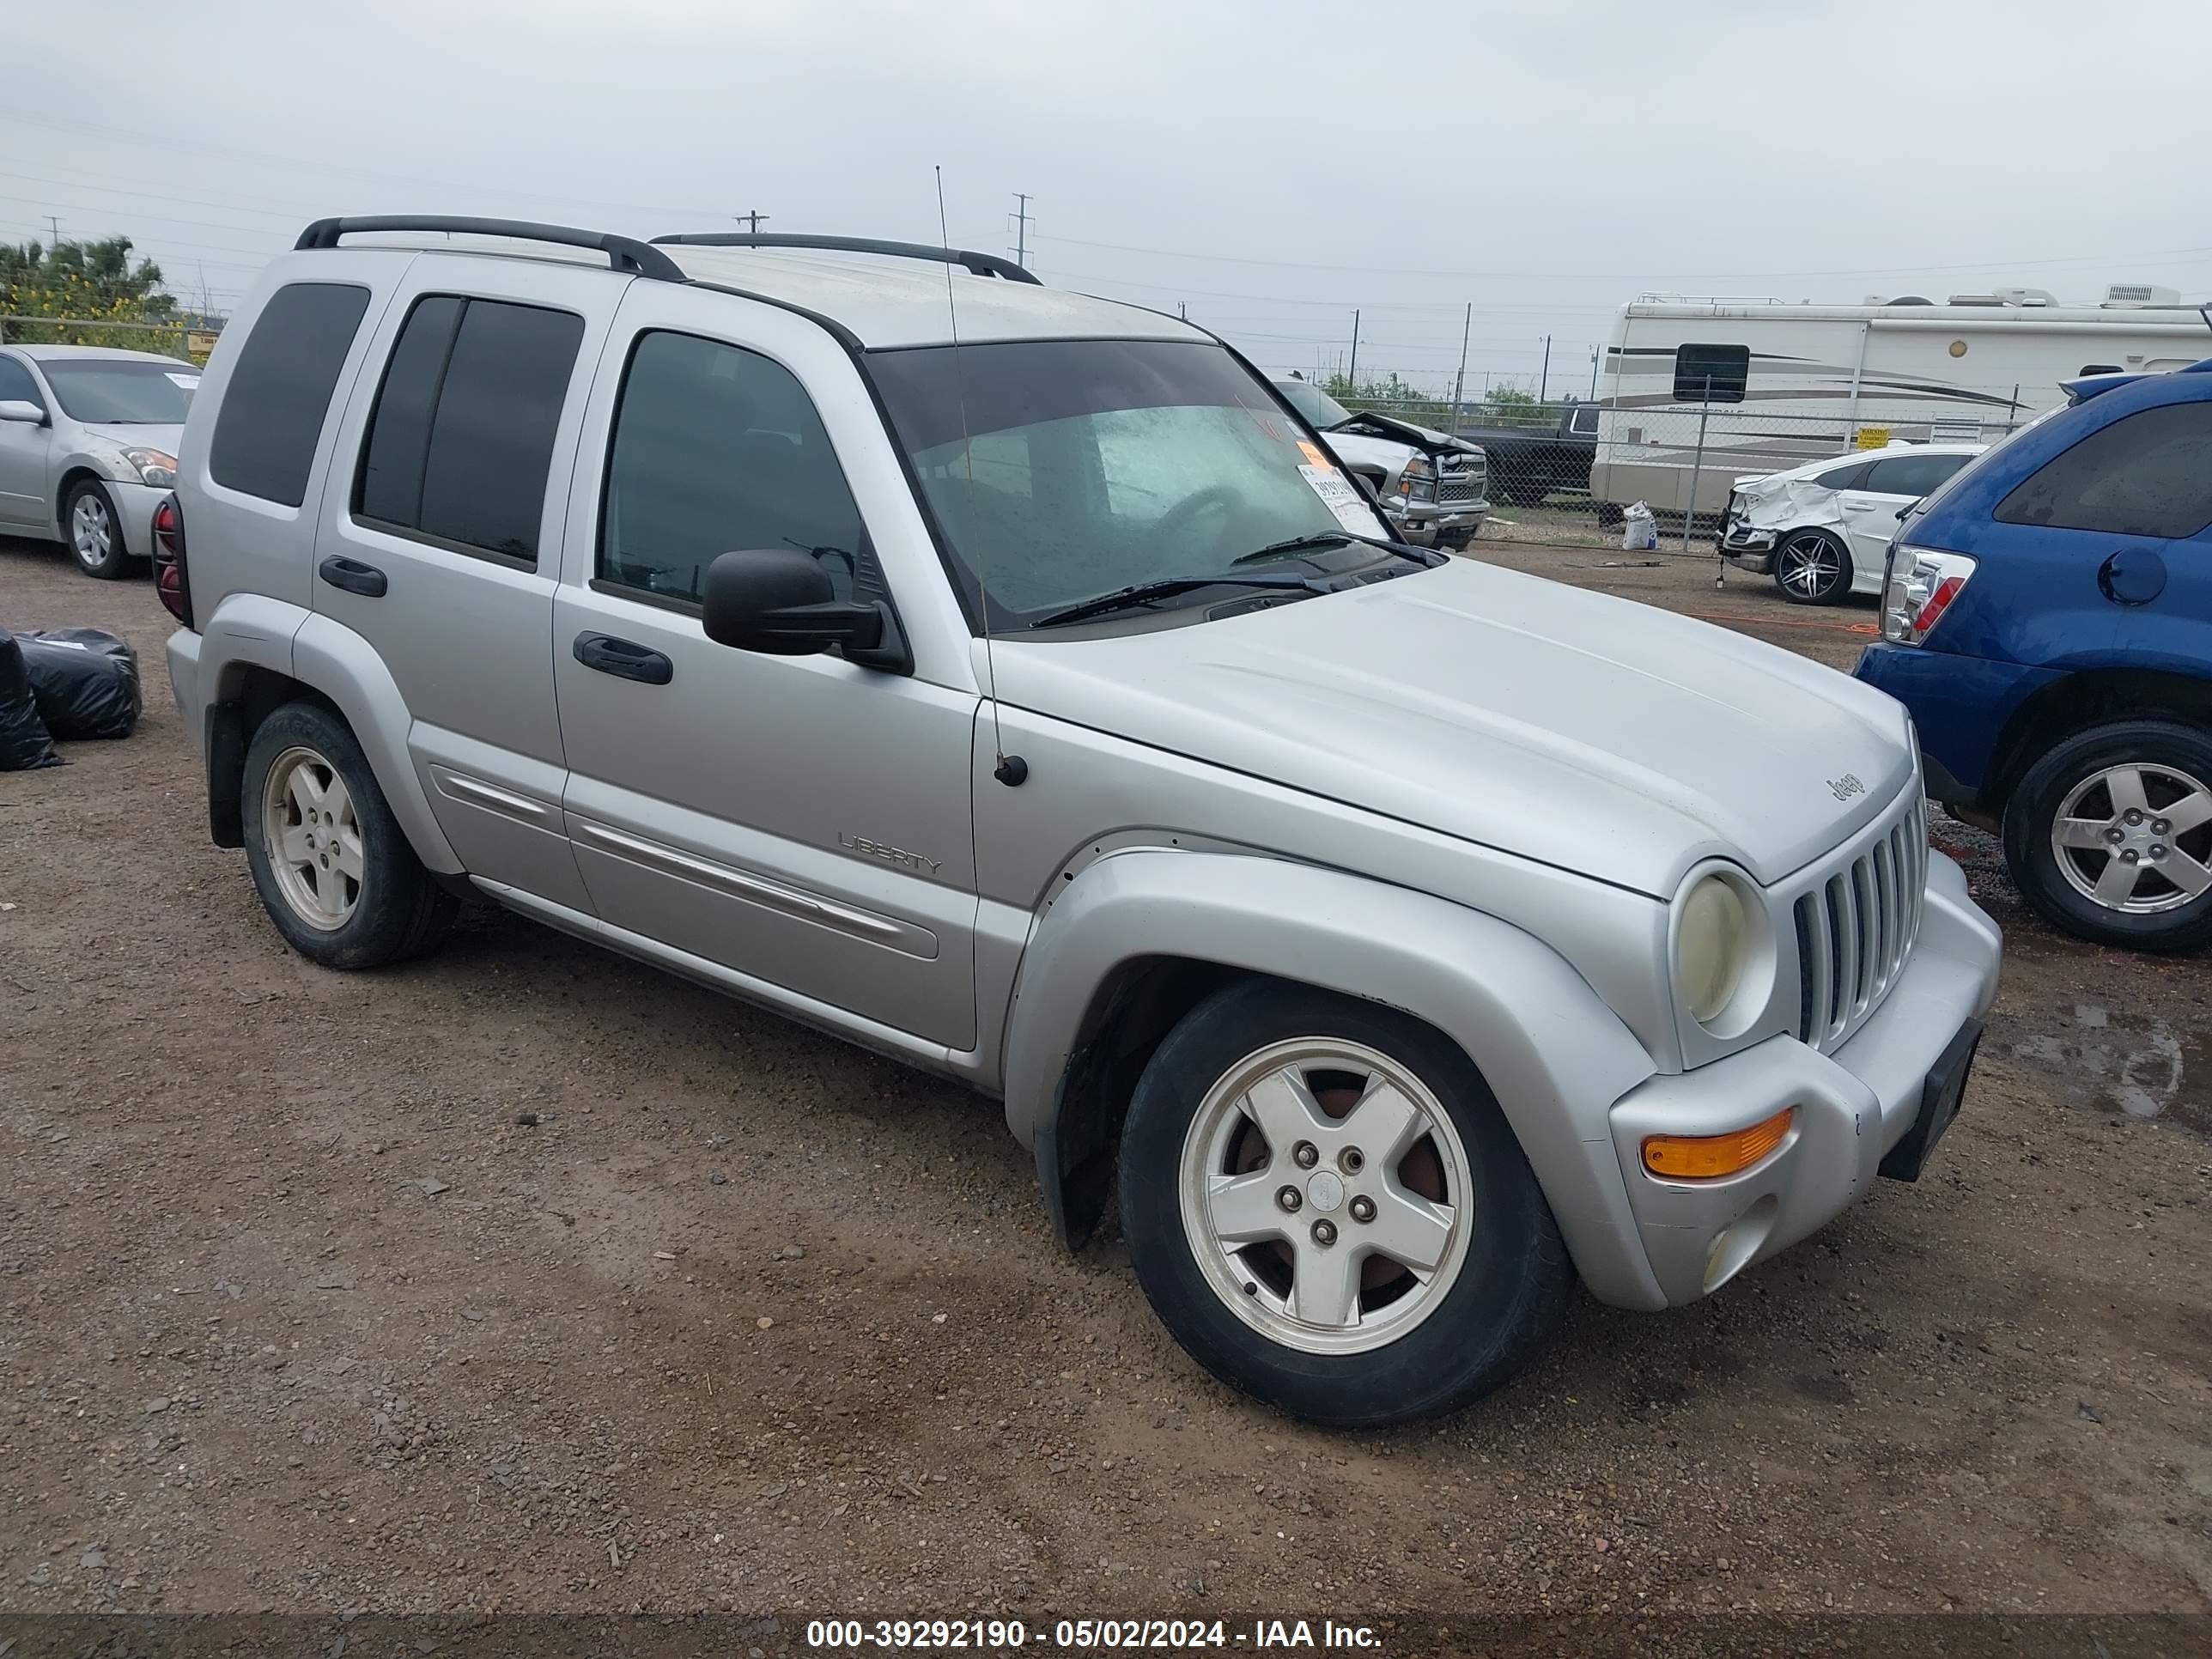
{"points": [[156, 467], [1712, 943]]}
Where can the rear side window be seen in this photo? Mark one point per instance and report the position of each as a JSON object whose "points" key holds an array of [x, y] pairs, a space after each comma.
{"points": [[1844, 477], [716, 449], [460, 443], [1912, 474], [1711, 373], [2148, 474], [280, 390]]}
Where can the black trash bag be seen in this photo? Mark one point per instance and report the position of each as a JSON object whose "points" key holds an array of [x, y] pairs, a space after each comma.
{"points": [[25, 743], [85, 682]]}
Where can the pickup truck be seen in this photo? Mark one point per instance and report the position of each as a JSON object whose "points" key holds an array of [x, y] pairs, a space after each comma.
{"points": [[1432, 486], [1528, 463]]}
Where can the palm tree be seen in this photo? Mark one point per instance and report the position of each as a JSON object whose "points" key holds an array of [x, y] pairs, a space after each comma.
{"points": [[105, 267]]}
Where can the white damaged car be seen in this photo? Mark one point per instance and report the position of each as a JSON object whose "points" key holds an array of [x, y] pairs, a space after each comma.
{"points": [[1822, 529]]}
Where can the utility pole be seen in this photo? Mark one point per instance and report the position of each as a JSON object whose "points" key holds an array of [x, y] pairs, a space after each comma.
{"points": [[53, 231], [1459, 381], [1183, 309], [751, 222], [1593, 397], [1022, 217], [1544, 383], [1352, 377]]}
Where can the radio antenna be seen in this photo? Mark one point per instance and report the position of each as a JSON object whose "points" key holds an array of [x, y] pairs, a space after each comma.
{"points": [[1009, 769]]}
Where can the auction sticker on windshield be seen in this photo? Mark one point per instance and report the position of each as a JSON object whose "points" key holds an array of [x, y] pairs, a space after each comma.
{"points": [[1338, 496]]}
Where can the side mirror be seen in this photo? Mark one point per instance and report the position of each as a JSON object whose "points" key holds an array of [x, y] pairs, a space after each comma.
{"points": [[22, 409], [779, 601]]}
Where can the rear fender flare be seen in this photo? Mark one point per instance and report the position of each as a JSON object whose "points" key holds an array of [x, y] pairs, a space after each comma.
{"points": [[344, 667]]}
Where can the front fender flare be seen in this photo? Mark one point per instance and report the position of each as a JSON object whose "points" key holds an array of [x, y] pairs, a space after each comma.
{"points": [[1555, 1055]]}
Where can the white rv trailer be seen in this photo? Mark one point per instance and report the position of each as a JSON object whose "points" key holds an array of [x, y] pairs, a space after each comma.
{"points": [[1792, 383]]}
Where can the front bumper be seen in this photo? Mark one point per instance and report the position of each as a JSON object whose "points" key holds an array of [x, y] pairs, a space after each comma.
{"points": [[1853, 1106], [1424, 524], [1746, 548], [134, 515]]}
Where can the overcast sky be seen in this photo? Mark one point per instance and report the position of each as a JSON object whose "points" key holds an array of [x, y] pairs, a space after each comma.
{"points": [[1271, 163]]}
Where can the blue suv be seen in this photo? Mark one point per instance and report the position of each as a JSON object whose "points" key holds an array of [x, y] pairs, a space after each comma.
{"points": [[2046, 617]]}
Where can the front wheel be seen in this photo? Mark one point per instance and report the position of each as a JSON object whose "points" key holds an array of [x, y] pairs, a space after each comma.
{"points": [[2109, 837], [1326, 1206], [1812, 567], [95, 536]]}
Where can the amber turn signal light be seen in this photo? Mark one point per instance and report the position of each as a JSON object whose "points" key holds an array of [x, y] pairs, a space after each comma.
{"points": [[1707, 1158]]}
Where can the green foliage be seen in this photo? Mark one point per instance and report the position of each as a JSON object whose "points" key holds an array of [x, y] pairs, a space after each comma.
{"points": [[1390, 396], [94, 284]]}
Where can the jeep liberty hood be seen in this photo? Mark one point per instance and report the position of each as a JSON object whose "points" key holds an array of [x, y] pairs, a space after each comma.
{"points": [[1570, 727]]}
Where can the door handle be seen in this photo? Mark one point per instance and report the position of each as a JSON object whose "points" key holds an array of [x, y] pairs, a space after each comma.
{"points": [[354, 576], [623, 659]]}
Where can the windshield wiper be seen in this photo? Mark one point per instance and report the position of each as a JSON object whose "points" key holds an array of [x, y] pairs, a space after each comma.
{"points": [[1166, 588], [1322, 538]]}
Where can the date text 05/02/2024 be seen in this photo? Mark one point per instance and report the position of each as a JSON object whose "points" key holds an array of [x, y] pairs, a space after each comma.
{"points": [[1084, 1635]]}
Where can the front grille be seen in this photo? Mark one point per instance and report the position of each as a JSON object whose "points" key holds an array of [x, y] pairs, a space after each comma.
{"points": [[1855, 928], [1461, 479]]}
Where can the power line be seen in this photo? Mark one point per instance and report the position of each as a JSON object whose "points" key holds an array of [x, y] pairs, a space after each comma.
{"points": [[1629, 275]]}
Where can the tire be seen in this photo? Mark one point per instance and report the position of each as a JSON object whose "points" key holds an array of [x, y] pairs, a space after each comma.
{"points": [[1403, 1349], [1811, 567], [2084, 781], [345, 890], [94, 533]]}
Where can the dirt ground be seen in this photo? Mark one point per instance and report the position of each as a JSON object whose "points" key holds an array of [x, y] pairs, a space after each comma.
{"points": [[525, 1278]]}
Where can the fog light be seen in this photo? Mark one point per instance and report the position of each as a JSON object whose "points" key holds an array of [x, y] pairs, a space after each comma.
{"points": [[1708, 1157]]}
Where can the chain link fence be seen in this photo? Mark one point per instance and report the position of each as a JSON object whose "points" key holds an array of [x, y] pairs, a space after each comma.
{"points": [[1680, 460], [193, 340]]}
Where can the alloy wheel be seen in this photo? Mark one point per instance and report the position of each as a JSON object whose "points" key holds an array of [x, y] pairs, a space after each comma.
{"points": [[312, 837], [92, 531], [1809, 566], [1325, 1194], [2135, 838]]}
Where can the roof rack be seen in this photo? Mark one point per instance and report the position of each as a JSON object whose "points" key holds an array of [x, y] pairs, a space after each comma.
{"points": [[983, 264], [623, 252]]}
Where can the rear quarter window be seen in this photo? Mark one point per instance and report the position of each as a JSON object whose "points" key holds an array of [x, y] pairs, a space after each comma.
{"points": [[279, 392], [2147, 474]]}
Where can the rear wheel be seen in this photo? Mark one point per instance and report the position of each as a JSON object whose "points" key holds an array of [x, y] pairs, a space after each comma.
{"points": [[1326, 1206], [331, 864], [95, 536], [2108, 835], [1811, 567]]}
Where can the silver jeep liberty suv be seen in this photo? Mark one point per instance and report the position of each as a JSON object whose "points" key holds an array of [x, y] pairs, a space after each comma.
{"points": [[1010, 682]]}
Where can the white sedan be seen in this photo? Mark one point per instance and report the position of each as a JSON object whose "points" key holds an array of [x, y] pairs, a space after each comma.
{"points": [[1823, 528]]}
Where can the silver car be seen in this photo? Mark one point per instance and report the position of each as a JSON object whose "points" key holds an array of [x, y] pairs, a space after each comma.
{"points": [[1393, 939], [87, 446]]}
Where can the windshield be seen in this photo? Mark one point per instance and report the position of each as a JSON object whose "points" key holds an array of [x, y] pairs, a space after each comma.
{"points": [[1099, 464], [117, 392], [1310, 401]]}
